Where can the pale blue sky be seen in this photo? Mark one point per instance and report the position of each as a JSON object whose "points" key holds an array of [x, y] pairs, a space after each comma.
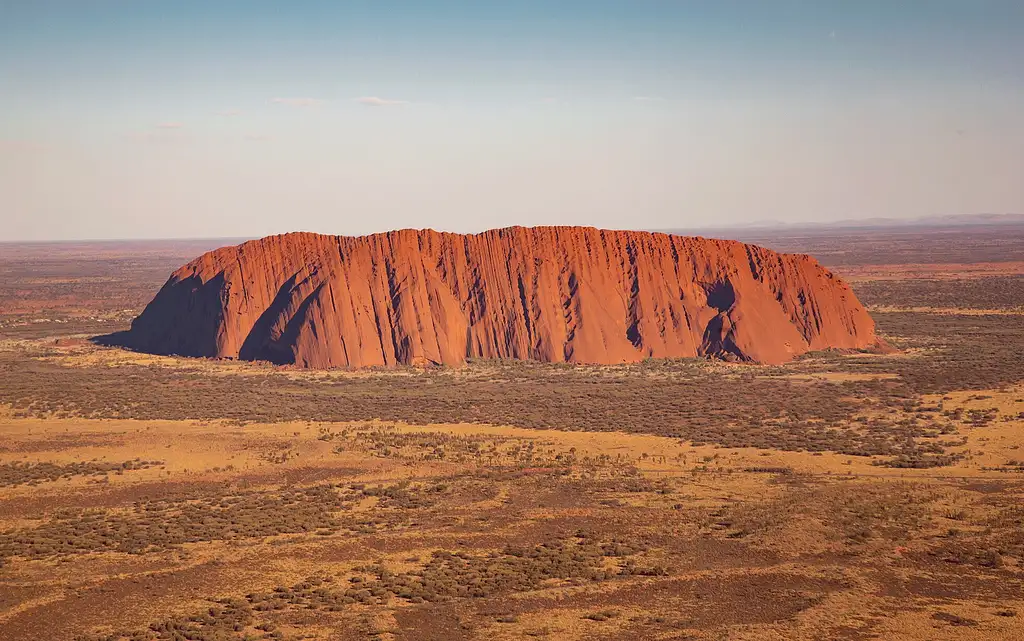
{"points": [[144, 118]]}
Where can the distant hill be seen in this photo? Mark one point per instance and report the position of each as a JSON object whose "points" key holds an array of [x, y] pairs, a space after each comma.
{"points": [[956, 220]]}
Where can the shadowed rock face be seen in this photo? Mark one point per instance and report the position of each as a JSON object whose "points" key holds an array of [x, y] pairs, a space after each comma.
{"points": [[556, 294]]}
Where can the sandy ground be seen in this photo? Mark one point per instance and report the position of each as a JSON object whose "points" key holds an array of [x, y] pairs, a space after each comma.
{"points": [[789, 579]]}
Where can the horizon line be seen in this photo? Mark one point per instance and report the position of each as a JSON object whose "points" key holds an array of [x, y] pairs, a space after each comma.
{"points": [[934, 222]]}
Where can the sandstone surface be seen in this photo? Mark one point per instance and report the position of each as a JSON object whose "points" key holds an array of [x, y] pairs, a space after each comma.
{"points": [[558, 294]]}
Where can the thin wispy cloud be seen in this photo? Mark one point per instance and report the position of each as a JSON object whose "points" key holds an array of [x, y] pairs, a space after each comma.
{"points": [[256, 137], [9, 145], [169, 125], [229, 113], [158, 135], [375, 101], [647, 98], [298, 102]]}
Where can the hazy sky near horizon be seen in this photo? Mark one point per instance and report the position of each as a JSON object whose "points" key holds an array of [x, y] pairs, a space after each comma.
{"points": [[216, 118]]}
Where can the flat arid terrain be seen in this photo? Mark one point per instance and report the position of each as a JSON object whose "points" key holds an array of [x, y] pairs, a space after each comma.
{"points": [[843, 495]]}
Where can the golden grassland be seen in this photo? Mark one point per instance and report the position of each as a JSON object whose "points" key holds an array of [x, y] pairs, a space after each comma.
{"points": [[835, 497], [618, 534]]}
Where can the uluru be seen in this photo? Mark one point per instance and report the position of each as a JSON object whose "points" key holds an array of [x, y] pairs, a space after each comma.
{"points": [[554, 294]]}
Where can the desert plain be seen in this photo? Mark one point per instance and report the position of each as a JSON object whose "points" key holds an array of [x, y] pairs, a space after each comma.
{"points": [[844, 495]]}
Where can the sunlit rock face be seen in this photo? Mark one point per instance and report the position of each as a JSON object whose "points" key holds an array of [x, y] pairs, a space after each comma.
{"points": [[557, 294]]}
